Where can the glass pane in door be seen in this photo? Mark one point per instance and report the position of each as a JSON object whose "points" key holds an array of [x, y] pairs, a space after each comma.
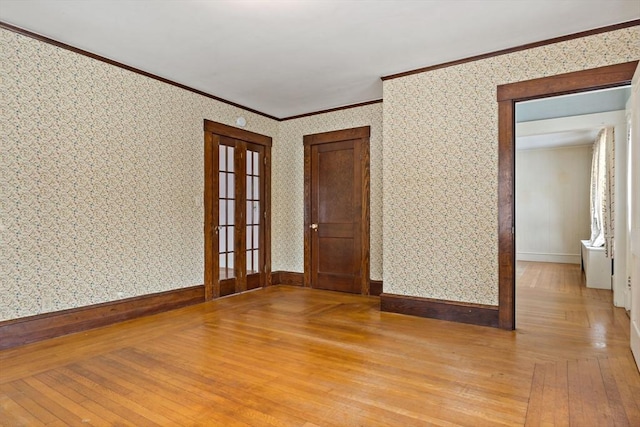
{"points": [[253, 212], [226, 204]]}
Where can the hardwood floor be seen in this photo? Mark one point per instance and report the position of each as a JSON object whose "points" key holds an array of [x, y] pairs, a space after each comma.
{"points": [[290, 356]]}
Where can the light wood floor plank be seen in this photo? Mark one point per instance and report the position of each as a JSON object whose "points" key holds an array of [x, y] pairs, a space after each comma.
{"points": [[287, 356]]}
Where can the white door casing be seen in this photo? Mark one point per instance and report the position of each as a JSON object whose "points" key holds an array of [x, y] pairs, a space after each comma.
{"points": [[633, 208]]}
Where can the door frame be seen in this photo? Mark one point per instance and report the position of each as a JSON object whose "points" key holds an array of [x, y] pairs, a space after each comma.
{"points": [[212, 133], [507, 96], [361, 133]]}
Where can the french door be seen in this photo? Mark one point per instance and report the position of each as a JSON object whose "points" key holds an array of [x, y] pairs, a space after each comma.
{"points": [[237, 217]]}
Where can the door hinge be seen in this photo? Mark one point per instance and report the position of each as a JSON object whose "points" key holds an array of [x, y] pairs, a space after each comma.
{"points": [[513, 230], [264, 160], [264, 214]]}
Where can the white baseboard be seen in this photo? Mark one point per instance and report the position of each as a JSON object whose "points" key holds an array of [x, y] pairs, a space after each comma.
{"points": [[635, 343], [541, 257]]}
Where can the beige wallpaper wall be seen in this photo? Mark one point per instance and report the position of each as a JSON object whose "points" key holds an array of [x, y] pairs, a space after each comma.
{"points": [[440, 165], [288, 183], [101, 175], [101, 180]]}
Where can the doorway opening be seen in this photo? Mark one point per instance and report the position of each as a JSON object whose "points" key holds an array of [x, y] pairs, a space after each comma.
{"points": [[557, 266], [508, 95]]}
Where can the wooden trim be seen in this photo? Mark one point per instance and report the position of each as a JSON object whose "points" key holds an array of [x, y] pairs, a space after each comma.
{"points": [[332, 136], [307, 216], [50, 325], [331, 110], [375, 287], [362, 133], [564, 38], [365, 204], [275, 277], [507, 95], [240, 220], [65, 46], [579, 81], [474, 314], [211, 267], [506, 214], [297, 279], [267, 218], [237, 133], [287, 278]]}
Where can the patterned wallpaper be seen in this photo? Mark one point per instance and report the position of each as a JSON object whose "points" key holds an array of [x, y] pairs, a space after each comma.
{"points": [[101, 180], [101, 175], [441, 164], [288, 183]]}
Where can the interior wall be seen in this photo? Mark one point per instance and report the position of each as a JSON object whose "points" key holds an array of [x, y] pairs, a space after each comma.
{"points": [[288, 183], [440, 168], [101, 174], [552, 203]]}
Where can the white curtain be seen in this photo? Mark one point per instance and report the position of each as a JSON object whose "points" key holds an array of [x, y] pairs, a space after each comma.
{"points": [[602, 191]]}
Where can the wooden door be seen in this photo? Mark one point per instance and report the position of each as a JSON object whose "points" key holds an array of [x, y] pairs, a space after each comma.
{"points": [[237, 210], [337, 210]]}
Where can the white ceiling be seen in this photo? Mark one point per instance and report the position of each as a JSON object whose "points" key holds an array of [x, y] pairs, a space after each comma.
{"points": [[285, 58], [557, 139]]}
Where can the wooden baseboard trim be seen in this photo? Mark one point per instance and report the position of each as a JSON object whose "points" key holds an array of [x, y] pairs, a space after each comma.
{"points": [[31, 329], [475, 314], [287, 278], [297, 279], [375, 287]]}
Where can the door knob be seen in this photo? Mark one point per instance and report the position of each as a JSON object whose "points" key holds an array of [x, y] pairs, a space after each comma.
{"points": [[314, 227]]}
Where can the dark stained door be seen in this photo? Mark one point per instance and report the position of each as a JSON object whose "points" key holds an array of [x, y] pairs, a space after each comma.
{"points": [[237, 210], [241, 210], [337, 223]]}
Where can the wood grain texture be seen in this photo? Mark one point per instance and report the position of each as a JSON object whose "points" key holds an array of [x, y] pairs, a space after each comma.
{"points": [[507, 95], [474, 314], [44, 326], [297, 279], [293, 356], [581, 34], [589, 389], [288, 278], [327, 207], [365, 216], [506, 214], [578, 81], [375, 287], [242, 140], [266, 200], [237, 133], [340, 135], [307, 216], [211, 211], [240, 220]]}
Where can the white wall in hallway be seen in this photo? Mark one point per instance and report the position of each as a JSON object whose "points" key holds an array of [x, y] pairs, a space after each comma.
{"points": [[552, 203]]}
